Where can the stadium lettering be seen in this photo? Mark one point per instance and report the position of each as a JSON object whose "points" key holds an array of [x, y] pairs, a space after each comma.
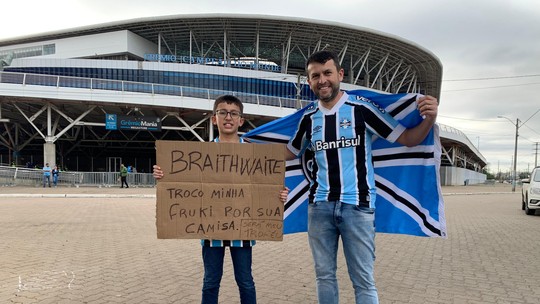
{"points": [[142, 123], [212, 61], [159, 57], [149, 124], [129, 123]]}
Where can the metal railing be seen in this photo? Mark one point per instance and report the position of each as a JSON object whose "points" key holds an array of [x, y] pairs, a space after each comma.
{"points": [[16, 176], [143, 87]]}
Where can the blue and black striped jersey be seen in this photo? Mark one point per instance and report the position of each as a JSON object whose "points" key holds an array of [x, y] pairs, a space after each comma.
{"points": [[340, 139]]}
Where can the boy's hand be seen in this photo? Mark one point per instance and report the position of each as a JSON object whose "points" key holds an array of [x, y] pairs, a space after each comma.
{"points": [[157, 172], [283, 194]]}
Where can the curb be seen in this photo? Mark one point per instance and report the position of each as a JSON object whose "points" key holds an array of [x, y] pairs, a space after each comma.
{"points": [[81, 195], [475, 193], [78, 195]]}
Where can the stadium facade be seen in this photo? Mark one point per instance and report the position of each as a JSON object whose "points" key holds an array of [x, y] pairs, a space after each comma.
{"points": [[91, 97]]}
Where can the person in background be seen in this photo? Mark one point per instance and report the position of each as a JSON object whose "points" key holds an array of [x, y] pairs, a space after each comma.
{"points": [[123, 176], [55, 171], [339, 131], [46, 175], [228, 118]]}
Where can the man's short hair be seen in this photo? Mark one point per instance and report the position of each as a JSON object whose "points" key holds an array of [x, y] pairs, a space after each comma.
{"points": [[229, 99], [322, 57]]}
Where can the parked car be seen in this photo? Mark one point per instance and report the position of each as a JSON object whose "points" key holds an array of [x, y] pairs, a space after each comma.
{"points": [[530, 192]]}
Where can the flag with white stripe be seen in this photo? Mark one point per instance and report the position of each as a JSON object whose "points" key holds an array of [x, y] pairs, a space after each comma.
{"points": [[409, 198]]}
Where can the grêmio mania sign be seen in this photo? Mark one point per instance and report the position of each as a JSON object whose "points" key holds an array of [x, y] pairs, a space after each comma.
{"points": [[136, 123], [244, 63]]}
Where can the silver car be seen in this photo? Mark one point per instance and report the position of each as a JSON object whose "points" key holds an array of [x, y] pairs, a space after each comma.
{"points": [[530, 193]]}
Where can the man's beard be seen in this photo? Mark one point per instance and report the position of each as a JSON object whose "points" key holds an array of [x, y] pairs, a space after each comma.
{"points": [[333, 94]]}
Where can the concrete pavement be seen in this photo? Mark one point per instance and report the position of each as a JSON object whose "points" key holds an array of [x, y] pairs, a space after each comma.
{"points": [[99, 245]]}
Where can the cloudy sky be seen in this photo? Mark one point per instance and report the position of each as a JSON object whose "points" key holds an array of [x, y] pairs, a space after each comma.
{"points": [[490, 50]]}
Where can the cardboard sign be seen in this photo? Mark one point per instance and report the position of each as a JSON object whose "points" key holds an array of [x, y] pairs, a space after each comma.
{"points": [[221, 191]]}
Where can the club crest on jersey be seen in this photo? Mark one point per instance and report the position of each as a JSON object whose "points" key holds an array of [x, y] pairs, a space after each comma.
{"points": [[345, 123]]}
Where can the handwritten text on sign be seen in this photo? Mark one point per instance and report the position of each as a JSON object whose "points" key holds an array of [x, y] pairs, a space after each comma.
{"points": [[220, 191]]}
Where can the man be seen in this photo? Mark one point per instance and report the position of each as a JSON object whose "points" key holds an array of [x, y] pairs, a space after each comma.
{"points": [[46, 175], [123, 176], [338, 129], [55, 171]]}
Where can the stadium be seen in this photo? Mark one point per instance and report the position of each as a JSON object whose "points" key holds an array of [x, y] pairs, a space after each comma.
{"points": [[90, 98]]}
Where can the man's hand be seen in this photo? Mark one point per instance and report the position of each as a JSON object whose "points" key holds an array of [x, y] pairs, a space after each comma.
{"points": [[428, 107]]}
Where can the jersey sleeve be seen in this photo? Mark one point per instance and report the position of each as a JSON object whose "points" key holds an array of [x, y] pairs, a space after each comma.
{"points": [[380, 122]]}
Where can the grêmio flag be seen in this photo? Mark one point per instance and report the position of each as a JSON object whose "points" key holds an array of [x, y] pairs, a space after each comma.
{"points": [[409, 198]]}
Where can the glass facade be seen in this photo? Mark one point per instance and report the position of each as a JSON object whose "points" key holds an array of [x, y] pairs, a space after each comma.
{"points": [[39, 50], [169, 80]]}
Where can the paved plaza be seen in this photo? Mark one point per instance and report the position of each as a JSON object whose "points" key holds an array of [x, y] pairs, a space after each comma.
{"points": [[99, 245]]}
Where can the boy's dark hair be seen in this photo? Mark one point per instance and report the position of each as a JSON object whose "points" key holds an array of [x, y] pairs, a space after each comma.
{"points": [[229, 99], [322, 57]]}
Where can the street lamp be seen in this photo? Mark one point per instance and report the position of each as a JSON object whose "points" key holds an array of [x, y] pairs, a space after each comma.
{"points": [[516, 144], [514, 174]]}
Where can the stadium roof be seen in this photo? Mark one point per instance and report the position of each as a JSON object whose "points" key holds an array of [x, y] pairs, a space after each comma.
{"points": [[370, 58]]}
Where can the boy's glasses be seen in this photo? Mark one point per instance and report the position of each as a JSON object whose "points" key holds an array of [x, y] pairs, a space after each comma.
{"points": [[224, 113]]}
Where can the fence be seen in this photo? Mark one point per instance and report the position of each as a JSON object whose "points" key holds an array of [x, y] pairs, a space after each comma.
{"points": [[15, 176]]}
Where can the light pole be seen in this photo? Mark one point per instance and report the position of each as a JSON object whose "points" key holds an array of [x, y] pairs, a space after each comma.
{"points": [[516, 144], [514, 174]]}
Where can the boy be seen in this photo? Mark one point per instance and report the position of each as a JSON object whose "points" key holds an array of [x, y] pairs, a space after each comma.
{"points": [[228, 118]]}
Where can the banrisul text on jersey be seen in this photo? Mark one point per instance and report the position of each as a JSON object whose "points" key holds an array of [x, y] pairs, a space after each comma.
{"points": [[336, 144]]}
